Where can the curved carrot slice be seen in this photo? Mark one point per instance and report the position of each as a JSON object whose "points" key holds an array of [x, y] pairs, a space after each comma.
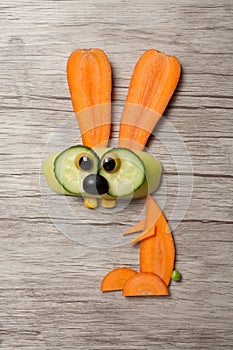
{"points": [[145, 283], [153, 82], [89, 80], [136, 228], [145, 234], [153, 212], [116, 279]]}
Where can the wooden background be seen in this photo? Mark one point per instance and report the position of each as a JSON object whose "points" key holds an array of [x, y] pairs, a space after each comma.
{"points": [[49, 285]]}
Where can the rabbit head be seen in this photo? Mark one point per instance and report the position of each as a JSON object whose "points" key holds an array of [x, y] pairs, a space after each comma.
{"points": [[93, 170]]}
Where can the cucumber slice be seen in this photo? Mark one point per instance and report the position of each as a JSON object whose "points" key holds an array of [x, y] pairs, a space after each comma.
{"points": [[48, 171], [153, 174], [128, 174], [68, 172]]}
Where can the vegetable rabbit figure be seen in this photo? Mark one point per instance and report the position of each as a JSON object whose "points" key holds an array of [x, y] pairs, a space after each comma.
{"points": [[97, 172]]}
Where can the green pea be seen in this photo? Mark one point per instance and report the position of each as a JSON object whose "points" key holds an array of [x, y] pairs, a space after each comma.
{"points": [[176, 275]]}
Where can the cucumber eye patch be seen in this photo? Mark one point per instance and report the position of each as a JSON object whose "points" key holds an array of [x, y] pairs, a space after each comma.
{"points": [[73, 165], [124, 171]]}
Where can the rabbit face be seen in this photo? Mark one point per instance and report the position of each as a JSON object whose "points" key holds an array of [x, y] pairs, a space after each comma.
{"points": [[102, 172]]}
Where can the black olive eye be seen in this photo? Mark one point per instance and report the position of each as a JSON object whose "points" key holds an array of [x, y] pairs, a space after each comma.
{"points": [[85, 163], [109, 164]]}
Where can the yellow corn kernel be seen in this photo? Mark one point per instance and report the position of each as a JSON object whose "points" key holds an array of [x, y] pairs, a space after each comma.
{"points": [[108, 203], [90, 202]]}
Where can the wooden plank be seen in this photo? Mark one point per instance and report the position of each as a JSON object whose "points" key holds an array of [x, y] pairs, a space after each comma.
{"points": [[44, 298], [193, 128]]}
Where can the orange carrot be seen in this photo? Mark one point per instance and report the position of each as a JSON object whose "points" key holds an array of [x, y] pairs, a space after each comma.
{"points": [[89, 80], [157, 255], [157, 252], [116, 279], [136, 228], [145, 234], [153, 212], [143, 284], [153, 82]]}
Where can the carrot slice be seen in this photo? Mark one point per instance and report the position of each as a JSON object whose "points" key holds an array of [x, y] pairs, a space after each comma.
{"points": [[157, 253], [145, 234], [153, 82], [136, 228], [116, 279], [89, 80], [153, 212], [145, 283]]}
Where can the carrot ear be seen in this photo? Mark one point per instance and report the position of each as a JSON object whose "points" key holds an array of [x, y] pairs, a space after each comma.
{"points": [[90, 84], [153, 82]]}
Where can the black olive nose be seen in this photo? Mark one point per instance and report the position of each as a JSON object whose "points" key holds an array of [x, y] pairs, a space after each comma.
{"points": [[95, 184]]}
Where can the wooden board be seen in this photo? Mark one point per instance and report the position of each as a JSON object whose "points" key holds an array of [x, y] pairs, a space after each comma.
{"points": [[49, 285]]}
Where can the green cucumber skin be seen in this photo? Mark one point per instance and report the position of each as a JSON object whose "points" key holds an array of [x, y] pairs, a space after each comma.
{"points": [[153, 171]]}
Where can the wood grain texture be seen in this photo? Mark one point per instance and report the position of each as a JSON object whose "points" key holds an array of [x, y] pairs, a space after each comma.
{"points": [[49, 285]]}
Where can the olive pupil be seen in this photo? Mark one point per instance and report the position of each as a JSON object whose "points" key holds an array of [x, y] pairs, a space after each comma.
{"points": [[85, 163], [109, 164]]}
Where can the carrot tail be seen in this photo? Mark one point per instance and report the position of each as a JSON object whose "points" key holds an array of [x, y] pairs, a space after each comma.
{"points": [[153, 82], [89, 80]]}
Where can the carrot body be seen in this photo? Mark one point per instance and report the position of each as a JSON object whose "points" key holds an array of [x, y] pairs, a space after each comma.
{"points": [[145, 283], [157, 249], [157, 255], [153, 82], [89, 80], [157, 252], [116, 279]]}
